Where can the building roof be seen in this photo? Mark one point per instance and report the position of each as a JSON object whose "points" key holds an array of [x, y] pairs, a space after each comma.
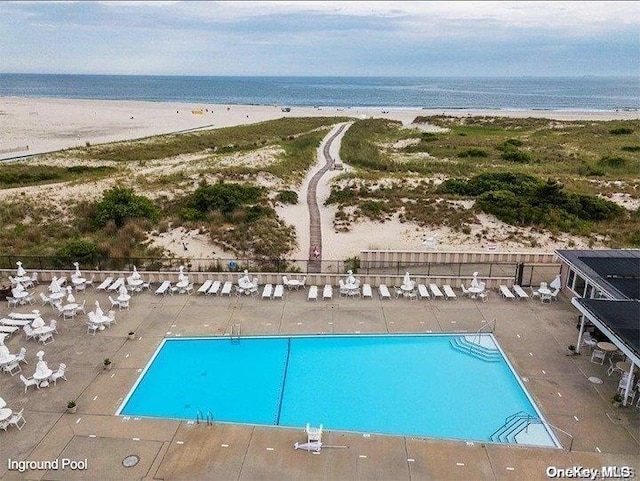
{"points": [[615, 271], [621, 318]]}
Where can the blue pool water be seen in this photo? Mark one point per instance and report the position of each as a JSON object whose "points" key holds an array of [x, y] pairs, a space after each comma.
{"points": [[415, 385]]}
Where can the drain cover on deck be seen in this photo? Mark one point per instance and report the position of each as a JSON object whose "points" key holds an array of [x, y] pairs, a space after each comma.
{"points": [[130, 461], [595, 380]]}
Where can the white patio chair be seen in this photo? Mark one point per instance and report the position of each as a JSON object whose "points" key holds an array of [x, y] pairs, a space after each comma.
{"points": [[215, 288], [17, 419], [28, 284], [4, 424], [123, 305], [253, 290], [114, 302], [13, 368], [92, 327], [554, 295], [313, 293], [545, 298], [483, 296], [20, 357], [60, 373], [89, 282], [343, 291], [80, 287], [302, 283], [111, 319], [53, 324], [267, 291], [45, 300], [81, 307], [29, 382], [34, 278], [69, 314], [613, 368], [587, 340], [46, 338], [12, 301], [598, 356]]}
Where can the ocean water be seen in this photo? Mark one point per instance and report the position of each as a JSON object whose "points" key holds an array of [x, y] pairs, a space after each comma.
{"points": [[562, 93]]}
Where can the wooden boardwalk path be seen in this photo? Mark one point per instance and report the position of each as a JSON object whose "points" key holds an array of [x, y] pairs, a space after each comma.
{"points": [[315, 226]]}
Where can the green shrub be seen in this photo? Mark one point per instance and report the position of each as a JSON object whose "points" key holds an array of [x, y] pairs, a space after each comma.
{"points": [[517, 156], [287, 197], [77, 250], [223, 197], [613, 162], [588, 170], [371, 209], [509, 144], [120, 204], [621, 131], [255, 212], [473, 153], [631, 148]]}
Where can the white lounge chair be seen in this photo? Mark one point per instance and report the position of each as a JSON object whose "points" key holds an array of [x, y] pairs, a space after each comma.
{"points": [[226, 289], [116, 285], [105, 284], [267, 291], [204, 288], [164, 287], [435, 290], [423, 292], [278, 291], [8, 329], [520, 292], [383, 291], [327, 292], [313, 293], [506, 292], [215, 288], [448, 292], [366, 291]]}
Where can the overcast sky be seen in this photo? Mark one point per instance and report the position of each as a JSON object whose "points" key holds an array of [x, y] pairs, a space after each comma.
{"points": [[321, 38]]}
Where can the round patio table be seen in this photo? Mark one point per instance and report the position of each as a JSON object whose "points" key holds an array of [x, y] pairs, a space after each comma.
{"points": [[42, 377], [625, 366], [607, 346], [5, 413]]}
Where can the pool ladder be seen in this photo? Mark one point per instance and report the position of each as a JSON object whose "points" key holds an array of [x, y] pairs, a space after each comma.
{"points": [[235, 333], [201, 417]]}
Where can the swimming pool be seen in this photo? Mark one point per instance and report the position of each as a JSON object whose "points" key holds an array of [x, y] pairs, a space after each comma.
{"points": [[442, 386]]}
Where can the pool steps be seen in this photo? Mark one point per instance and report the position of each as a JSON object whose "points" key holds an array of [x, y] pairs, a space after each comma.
{"points": [[514, 425], [468, 345]]}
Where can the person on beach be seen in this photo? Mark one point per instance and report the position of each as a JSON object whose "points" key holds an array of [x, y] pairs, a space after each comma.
{"points": [[316, 252]]}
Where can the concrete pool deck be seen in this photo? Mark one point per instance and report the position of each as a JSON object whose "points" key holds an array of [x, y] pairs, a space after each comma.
{"points": [[534, 337]]}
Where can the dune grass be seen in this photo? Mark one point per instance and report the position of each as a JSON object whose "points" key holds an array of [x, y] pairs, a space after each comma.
{"points": [[20, 175]]}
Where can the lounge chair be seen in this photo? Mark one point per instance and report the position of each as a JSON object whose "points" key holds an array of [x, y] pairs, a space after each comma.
{"points": [[313, 293], [448, 292], [506, 292], [435, 290], [164, 287], [204, 288], [267, 291], [278, 291], [520, 292], [327, 292], [105, 284], [116, 285], [226, 289], [215, 288], [423, 292], [366, 291], [8, 329], [383, 291]]}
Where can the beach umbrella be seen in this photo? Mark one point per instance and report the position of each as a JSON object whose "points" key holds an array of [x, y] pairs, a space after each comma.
{"points": [[41, 366], [21, 271], [122, 290], [38, 321], [77, 273], [406, 280], [181, 276], [19, 287], [474, 281], [556, 283], [135, 274], [99, 312], [70, 298]]}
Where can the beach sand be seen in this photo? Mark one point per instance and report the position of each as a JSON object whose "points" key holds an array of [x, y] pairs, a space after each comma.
{"points": [[46, 125]]}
